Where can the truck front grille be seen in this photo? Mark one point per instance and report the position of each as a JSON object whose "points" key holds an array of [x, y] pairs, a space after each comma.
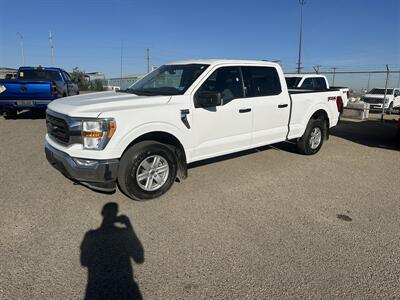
{"points": [[373, 100], [57, 128]]}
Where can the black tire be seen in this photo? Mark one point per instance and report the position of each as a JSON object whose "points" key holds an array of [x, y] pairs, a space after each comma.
{"points": [[11, 113], [304, 144], [131, 161]]}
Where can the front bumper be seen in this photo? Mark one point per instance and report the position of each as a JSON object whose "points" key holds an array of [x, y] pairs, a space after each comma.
{"points": [[374, 106], [100, 175], [23, 104]]}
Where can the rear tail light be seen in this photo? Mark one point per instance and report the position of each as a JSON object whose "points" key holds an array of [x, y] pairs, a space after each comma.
{"points": [[53, 89], [339, 103]]}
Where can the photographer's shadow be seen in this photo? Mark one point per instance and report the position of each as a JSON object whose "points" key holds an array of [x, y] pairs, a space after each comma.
{"points": [[107, 253]]}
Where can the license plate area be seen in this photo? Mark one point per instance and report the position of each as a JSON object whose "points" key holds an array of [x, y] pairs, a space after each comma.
{"points": [[25, 102]]}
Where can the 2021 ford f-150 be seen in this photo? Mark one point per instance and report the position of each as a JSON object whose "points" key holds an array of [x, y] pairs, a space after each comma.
{"points": [[144, 137]]}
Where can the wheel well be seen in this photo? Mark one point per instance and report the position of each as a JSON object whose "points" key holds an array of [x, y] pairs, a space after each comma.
{"points": [[170, 140], [322, 115]]}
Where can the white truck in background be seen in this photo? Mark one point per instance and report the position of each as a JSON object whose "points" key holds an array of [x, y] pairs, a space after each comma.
{"points": [[145, 136], [314, 82], [375, 99]]}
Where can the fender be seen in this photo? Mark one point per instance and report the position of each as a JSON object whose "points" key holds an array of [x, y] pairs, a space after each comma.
{"points": [[143, 129], [312, 111]]}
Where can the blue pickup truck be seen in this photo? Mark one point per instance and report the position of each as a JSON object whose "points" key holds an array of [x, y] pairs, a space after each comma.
{"points": [[34, 87]]}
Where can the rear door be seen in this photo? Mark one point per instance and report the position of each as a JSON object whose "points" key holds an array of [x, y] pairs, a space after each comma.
{"points": [[269, 102], [225, 128]]}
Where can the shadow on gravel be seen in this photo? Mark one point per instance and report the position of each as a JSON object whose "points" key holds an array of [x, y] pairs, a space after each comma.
{"points": [[107, 252], [371, 133]]}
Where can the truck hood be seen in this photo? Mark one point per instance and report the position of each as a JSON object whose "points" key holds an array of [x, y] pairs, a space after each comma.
{"points": [[93, 104]]}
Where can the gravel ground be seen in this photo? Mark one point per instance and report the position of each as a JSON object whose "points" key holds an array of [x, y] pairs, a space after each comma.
{"points": [[268, 223]]}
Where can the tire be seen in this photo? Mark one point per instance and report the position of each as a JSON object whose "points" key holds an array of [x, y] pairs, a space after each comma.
{"points": [[313, 138], [11, 113], [138, 162], [390, 109]]}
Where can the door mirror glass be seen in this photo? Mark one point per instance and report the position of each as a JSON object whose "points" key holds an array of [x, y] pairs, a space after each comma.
{"points": [[207, 99]]}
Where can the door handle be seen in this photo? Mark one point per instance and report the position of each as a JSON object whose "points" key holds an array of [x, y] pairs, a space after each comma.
{"points": [[244, 110], [282, 105]]}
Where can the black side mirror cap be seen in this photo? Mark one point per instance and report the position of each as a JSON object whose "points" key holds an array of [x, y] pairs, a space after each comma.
{"points": [[207, 99]]}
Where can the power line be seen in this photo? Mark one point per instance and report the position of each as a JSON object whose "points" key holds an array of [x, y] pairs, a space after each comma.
{"points": [[122, 48], [301, 2], [53, 62], [334, 73], [21, 43], [316, 68], [148, 59]]}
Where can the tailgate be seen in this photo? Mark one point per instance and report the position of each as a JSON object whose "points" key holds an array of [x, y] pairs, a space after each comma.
{"points": [[26, 90]]}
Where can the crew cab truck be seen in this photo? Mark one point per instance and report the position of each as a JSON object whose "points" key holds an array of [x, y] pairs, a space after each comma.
{"points": [[314, 82], [375, 99], [144, 137], [34, 87]]}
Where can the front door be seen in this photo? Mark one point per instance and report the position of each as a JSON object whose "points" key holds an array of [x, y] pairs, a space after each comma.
{"points": [[225, 128]]}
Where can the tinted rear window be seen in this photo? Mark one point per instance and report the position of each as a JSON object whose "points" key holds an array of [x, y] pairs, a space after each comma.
{"points": [[38, 75]]}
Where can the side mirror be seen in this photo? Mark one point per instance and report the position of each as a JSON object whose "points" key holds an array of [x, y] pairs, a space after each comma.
{"points": [[207, 99]]}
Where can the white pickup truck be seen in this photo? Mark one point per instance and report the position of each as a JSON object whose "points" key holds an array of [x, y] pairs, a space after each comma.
{"points": [[144, 137], [316, 82], [375, 99]]}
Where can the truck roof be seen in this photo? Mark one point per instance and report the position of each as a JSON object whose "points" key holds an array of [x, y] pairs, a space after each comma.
{"points": [[40, 68], [305, 75], [225, 61]]}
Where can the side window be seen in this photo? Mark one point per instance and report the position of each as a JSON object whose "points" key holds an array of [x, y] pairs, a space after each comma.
{"points": [[227, 81], [67, 77], [261, 81], [320, 84], [308, 84]]}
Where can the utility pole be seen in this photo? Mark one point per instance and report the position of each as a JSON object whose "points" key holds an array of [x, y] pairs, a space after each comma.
{"points": [[53, 62], [301, 2], [316, 68], [148, 60], [122, 49], [369, 78], [21, 43], [384, 97], [334, 73]]}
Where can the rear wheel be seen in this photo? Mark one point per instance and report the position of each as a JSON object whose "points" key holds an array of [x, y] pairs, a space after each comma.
{"points": [[313, 137], [11, 113], [147, 170]]}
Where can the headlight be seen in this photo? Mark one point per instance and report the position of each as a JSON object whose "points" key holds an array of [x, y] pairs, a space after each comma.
{"points": [[97, 133]]}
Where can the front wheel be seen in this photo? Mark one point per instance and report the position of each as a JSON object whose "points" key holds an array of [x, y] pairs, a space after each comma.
{"points": [[147, 170], [313, 137]]}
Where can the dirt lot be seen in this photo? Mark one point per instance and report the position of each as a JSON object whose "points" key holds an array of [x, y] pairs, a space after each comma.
{"points": [[267, 223]]}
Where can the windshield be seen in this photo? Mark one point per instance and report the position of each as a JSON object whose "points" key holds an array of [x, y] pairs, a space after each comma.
{"points": [[292, 82], [167, 80], [381, 91], [39, 74]]}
